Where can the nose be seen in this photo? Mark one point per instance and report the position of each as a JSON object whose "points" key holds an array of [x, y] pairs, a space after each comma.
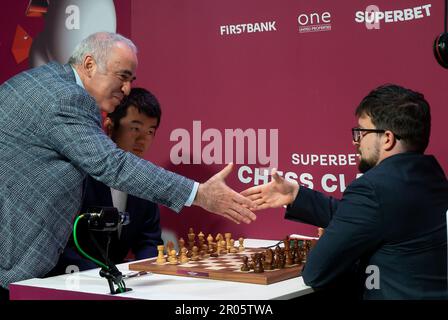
{"points": [[126, 88], [355, 143]]}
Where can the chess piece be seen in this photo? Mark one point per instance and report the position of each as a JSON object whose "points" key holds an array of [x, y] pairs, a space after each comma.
{"points": [[289, 260], [219, 247], [218, 237], [195, 254], [232, 247], [223, 247], [281, 260], [210, 243], [245, 266], [228, 236], [201, 239], [181, 243], [172, 257], [258, 266], [286, 244], [269, 259], [160, 257], [183, 255], [169, 247], [241, 247], [203, 251], [252, 261], [191, 237]]}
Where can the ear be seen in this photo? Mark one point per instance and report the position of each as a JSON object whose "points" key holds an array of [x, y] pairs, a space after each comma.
{"points": [[389, 140], [89, 65], [108, 126]]}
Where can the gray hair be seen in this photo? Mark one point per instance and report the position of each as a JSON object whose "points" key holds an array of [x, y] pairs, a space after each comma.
{"points": [[98, 45]]}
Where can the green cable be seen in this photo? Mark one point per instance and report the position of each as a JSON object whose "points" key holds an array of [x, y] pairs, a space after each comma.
{"points": [[79, 248]]}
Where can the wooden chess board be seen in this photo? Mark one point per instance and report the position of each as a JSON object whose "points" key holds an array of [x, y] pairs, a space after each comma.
{"points": [[224, 267]]}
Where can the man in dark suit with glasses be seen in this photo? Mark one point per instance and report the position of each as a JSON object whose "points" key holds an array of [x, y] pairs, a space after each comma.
{"points": [[389, 228]]}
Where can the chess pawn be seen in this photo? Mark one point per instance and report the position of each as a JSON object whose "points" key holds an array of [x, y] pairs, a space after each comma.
{"points": [[289, 261], [183, 255], [245, 266], [169, 247], [282, 260], [203, 251], [232, 246], [160, 257], [258, 266], [223, 247], [241, 247], [173, 259], [252, 261], [195, 254], [219, 247], [297, 257]]}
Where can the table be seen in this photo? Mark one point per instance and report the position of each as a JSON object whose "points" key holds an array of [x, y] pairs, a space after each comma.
{"points": [[88, 285]]}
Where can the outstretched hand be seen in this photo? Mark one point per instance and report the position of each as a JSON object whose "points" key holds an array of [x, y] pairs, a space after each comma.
{"points": [[215, 196], [274, 194]]}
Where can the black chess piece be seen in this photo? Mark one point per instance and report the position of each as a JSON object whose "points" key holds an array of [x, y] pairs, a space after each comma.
{"points": [[245, 265], [258, 268]]}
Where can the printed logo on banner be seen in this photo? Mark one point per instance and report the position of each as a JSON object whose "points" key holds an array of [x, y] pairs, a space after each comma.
{"points": [[257, 151], [211, 146], [372, 16], [314, 22], [328, 182], [237, 29], [72, 20]]}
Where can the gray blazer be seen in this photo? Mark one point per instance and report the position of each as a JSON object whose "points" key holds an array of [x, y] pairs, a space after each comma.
{"points": [[50, 140]]}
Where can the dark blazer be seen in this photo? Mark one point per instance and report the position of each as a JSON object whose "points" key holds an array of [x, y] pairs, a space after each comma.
{"points": [[392, 217], [142, 235], [50, 139]]}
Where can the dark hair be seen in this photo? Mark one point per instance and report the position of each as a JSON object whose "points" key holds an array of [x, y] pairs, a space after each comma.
{"points": [[143, 100], [403, 111]]}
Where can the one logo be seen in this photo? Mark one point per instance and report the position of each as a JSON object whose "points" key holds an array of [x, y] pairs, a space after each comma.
{"points": [[314, 22], [373, 17]]}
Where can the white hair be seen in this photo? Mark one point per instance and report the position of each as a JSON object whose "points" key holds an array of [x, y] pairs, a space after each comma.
{"points": [[98, 45]]}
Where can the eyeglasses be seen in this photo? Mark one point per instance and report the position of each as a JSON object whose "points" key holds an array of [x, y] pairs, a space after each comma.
{"points": [[358, 133]]}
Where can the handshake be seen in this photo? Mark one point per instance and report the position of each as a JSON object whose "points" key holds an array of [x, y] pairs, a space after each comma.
{"points": [[216, 197]]}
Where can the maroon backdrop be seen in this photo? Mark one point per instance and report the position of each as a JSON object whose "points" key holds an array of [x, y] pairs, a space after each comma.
{"points": [[297, 89]]}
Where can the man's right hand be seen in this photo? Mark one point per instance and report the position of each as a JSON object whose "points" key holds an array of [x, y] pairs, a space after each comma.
{"points": [[216, 197], [274, 194]]}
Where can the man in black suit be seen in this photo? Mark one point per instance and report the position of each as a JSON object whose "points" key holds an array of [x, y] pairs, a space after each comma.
{"points": [[132, 126], [390, 225]]}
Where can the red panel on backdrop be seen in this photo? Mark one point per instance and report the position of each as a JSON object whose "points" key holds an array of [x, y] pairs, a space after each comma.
{"points": [[287, 74]]}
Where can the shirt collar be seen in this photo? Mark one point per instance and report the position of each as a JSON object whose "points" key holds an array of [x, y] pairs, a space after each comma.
{"points": [[78, 79]]}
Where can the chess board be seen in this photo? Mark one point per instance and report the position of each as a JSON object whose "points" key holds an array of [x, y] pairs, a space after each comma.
{"points": [[224, 267]]}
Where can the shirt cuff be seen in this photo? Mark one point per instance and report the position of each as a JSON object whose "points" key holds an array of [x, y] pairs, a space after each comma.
{"points": [[192, 194]]}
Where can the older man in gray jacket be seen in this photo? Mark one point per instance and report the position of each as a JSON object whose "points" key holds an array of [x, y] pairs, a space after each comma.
{"points": [[51, 139]]}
